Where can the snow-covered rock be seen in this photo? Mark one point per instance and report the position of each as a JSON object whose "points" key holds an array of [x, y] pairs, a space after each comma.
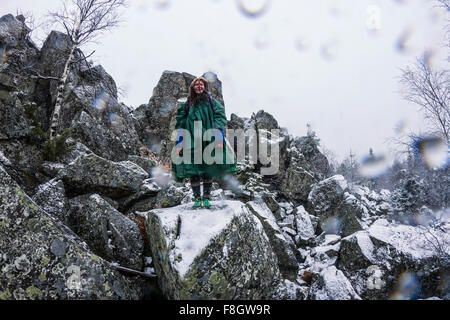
{"points": [[218, 254], [283, 246], [304, 226], [331, 284], [339, 211], [374, 259]]}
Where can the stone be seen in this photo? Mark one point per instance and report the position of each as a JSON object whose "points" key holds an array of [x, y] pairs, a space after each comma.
{"points": [[91, 173], [282, 246], [223, 254], [305, 229], [331, 284], [43, 260], [108, 233], [51, 197]]}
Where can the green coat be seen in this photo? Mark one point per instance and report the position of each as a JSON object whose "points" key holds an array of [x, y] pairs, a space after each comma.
{"points": [[202, 111]]}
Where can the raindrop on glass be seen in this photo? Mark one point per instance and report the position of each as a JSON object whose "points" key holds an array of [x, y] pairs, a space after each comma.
{"points": [[404, 42], [3, 55], [332, 225], [373, 166], [408, 287], [162, 4], [101, 101], [302, 44], [400, 127], [253, 8], [60, 44], [113, 118], [329, 50], [162, 178], [210, 76], [373, 20], [262, 39], [433, 151]]}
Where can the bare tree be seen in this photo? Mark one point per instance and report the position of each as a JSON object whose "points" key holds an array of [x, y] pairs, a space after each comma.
{"points": [[83, 21], [430, 90]]}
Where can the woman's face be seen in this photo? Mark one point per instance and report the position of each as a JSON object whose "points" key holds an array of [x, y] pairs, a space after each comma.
{"points": [[199, 87]]}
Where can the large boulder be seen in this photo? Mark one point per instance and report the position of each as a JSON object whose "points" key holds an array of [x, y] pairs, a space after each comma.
{"points": [[283, 248], [375, 260], [90, 107], [91, 173], [223, 254], [305, 166], [41, 259], [339, 211], [108, 232]]}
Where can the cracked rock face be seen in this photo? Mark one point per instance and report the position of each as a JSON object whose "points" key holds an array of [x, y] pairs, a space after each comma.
{"points": [[42, 259], [91, 173], [199, 255], [108, 232]]}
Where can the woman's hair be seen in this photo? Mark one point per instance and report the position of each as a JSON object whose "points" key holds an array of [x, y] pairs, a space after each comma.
{"points": [[193, 96]]}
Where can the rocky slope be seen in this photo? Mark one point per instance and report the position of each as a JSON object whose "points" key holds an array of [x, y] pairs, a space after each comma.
{"points": [[100, 218]]}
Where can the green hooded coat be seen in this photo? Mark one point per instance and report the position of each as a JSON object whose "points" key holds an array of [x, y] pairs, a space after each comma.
{"points": [[210, 119]]}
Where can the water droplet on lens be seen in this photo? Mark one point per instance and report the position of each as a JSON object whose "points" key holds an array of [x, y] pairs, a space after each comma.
{"points": [[302, 44], [113, 118], [329, 50], [61, 44], [101, 101], [433, 152], [3, 55], [373, 165], [408, 287], [404, 42], [210, 76], [262, 39], [162, 4], [373, 20], [332, 225], [253, 8], [400, 127]]}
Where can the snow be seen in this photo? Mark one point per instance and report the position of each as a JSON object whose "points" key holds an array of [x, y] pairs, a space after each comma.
{"points": [[340, 180], [335, 286], [198, 227], [408, 239], [4, 160]]}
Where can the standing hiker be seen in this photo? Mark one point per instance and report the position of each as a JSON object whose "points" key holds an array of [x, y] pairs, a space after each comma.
{"points": [[201, 106]]}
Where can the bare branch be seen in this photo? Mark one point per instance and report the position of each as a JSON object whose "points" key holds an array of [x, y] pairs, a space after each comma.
{"points": [[430, 90]]}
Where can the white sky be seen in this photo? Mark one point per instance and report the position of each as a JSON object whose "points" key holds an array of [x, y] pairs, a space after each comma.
{"points": [[351, 99]]}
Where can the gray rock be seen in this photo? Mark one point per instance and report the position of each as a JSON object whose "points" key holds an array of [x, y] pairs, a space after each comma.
{"points": [[200, 255], [42, 260], [331, 284], [92, 173], [305, 229], [12, 30], [283, 248], [51, 197], [339, 212], [145, 163], [375, 260], [108, 233]]}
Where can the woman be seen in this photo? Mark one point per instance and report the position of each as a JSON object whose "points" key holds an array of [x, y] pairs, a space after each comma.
{"points": [[200, 106]]}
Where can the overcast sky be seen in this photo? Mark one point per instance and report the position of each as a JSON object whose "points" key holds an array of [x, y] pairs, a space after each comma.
{"points": [[331, 63]]}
